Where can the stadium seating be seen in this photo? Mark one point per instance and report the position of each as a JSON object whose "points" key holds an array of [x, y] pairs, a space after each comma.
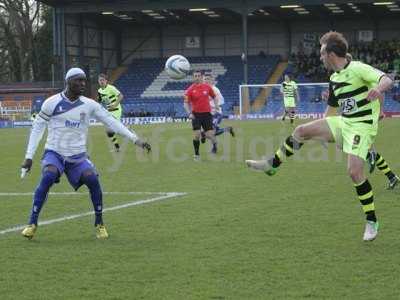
{"points": [[148, 89], [308, 97]]}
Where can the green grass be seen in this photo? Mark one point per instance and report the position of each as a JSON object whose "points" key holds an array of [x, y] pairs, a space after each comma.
{"points": [[237, 234]]}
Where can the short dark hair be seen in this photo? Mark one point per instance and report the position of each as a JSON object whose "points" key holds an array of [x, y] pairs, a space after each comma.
{"points": [[102, 75], [335, 42]]}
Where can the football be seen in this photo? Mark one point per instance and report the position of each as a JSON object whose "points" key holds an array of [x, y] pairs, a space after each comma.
{"points": [[177, 67]]}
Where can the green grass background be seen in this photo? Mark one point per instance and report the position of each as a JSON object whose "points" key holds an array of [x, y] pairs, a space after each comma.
{"points": [[237, 234]]}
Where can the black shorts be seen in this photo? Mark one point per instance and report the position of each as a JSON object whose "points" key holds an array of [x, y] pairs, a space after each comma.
{"points": [[202, 120]]}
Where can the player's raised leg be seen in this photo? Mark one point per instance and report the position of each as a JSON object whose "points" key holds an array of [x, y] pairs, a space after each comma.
{"points": [[217, 120], [371, 159], [383, 166], [315, 130]]}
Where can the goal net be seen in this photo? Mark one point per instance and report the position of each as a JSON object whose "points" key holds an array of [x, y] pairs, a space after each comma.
{"points": [[265, 101]]}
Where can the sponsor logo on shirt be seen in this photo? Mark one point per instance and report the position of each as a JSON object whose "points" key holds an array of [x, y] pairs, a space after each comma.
{"points": [[72, 124]]}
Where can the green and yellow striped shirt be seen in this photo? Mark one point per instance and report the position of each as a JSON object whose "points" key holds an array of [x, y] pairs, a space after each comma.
{"points": [[289, 90], [348, 89], [109, 95]]}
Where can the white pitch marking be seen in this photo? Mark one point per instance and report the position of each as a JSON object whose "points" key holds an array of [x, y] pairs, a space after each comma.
{"points": [[76, 216], [80, 194]]}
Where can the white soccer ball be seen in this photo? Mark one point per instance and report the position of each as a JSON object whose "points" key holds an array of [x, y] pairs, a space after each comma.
{"points": [[177, 67]]}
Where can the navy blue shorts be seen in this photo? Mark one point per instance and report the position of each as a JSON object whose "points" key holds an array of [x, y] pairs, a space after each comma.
{"points": [[72, 166], [217, 119]]}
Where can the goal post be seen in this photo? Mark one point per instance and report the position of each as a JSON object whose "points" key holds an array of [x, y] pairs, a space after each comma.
{"points": [[266, 100]]}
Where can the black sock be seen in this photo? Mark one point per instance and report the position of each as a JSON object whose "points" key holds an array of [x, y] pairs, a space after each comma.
{"points": [[368, 155], [384, 167], [196, 146], [366, 197], [276, 161], [289, 146]]}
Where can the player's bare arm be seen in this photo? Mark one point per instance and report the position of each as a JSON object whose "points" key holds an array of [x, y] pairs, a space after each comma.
{"points": [[385, 84], [187, 106]]}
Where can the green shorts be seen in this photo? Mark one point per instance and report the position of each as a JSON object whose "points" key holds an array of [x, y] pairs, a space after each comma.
{"points": [[117, 114], [355, 139], [289, 102]]}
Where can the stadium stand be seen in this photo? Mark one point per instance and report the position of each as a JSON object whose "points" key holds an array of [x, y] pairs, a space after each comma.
{"points": [[384, 55], [148, 90], [307, 68]]}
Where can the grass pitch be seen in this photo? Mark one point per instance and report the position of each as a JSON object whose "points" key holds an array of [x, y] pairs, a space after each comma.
{"points": [[236, 234]]}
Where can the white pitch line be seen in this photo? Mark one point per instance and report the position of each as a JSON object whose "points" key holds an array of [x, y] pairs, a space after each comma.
{"points": [[76, 216], [3, 194]]}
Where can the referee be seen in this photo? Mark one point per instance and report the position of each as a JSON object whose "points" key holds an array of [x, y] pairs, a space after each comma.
{"points": [[197, 105]]}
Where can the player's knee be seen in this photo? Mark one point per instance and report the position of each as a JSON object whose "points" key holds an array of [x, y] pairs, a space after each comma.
{"points": [[51, 169], [90, 179], [300, 132], [49, 175], [355, 173]]}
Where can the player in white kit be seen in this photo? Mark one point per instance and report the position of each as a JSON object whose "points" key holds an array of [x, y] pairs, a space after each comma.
{"points": [[217, 113], [67, 115]]}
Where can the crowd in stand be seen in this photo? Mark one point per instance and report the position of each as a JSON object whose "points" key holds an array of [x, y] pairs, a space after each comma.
{"points": [[384, 55]]}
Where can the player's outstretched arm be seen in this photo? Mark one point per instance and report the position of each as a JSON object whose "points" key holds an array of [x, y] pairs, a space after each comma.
{"points": [[38, 127], [107, 119]]}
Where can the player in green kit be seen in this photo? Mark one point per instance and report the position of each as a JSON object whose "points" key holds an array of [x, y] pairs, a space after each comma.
{"points": [[357, 89], [111, 98], [290, 96]]}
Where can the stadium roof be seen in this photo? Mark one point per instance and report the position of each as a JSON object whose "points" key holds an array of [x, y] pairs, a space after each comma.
{"points": [[206, 11]]}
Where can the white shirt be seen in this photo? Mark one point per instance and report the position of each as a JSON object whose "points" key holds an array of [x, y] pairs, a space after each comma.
{"points": [[68, 124], [219, 98]]}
